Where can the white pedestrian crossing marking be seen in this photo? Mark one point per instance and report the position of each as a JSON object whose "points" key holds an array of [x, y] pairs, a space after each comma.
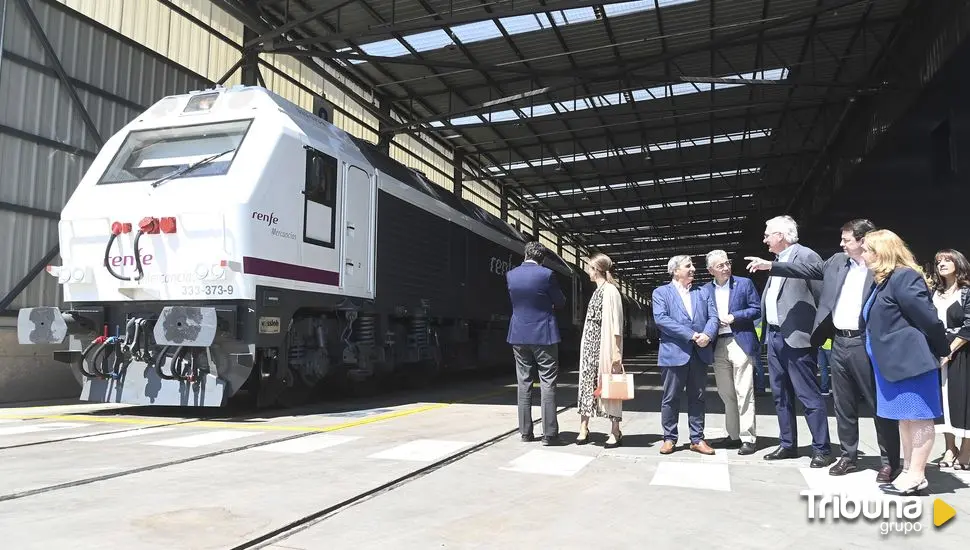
{"points": [[206, 438], [421, 450], [861, 483], [44, 427], [712, 477], [124, 435], [306, 444], [549, 463]]}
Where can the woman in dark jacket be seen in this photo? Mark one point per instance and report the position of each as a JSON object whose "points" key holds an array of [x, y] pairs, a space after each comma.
{"points": [[906, 341], [950, 283]]}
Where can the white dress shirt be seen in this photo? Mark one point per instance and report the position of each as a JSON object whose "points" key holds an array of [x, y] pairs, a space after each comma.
{"points": [[848, 305], [685, 296], [771, 293], [722, 297]]}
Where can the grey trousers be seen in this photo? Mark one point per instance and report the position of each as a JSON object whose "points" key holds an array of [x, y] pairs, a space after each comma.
{"points": [[543, 360]]}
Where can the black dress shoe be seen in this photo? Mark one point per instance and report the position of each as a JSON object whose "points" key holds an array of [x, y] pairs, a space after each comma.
{"points": [[747, 449], [527, 438], [728, 443], [887, 474], [842, 467], [552, 441], [781, 453], [820, 460]]}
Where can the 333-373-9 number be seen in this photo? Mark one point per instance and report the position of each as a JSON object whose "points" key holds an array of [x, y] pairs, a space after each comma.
{"points": [[207, 290]]}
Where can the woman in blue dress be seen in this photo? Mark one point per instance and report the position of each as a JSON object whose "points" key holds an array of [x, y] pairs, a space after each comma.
{"points": [[906, 341]]}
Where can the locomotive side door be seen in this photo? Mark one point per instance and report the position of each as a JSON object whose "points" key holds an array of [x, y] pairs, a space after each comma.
{"points": [[323, 191], [358, 232]]}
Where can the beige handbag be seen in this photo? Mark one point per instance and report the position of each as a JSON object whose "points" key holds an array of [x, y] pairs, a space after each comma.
{"points": [[616, 386]]}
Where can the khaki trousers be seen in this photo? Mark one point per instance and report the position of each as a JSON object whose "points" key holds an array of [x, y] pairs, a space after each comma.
{"points": [[734, 374]]}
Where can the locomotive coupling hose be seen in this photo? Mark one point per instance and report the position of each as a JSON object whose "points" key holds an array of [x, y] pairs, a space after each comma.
{"points": [[115, 231], [84, 356]]}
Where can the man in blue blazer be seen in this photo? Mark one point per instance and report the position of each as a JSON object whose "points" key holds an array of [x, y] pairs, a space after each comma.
{"points": [[738, 305], [687, 321], [534, 335]]}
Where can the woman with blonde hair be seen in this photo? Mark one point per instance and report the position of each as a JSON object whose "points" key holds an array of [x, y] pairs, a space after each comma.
{"points": [[601, 349], [906, 341]]}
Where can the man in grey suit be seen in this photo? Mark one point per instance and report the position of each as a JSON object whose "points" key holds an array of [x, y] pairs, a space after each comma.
{"points": [[788, 312], [846, 285]]}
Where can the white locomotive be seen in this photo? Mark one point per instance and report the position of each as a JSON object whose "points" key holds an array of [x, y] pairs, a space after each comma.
{"points": [[228, 239]]}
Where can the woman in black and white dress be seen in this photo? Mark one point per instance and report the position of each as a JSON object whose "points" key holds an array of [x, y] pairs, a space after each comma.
{"points": [[601, 350], [950, 282]]}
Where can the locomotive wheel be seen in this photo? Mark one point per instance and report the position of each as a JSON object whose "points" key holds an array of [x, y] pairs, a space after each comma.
{"points": [[295, 395]]}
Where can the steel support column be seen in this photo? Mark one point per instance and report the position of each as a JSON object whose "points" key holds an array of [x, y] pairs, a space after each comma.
{"points": [[456, 166], [250, 61]]}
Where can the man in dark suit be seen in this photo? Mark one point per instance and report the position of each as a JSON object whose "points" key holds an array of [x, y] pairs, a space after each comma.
{"points": [[687, 322], [788, 312], [534, 335], [846, 285], [738, 305]]}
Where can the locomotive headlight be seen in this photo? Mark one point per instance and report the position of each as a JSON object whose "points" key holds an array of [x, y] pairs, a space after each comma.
{"points": [[202, 271], [217, 271], [63, 275], [77, 275]]}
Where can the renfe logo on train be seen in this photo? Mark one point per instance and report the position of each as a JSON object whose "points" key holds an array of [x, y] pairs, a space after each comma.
{"points": [[270, 218], [146, 259], [499, 266]]}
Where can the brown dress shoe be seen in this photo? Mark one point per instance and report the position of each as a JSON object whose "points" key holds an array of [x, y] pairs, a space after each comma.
{"points": [[668, 447], [887, 474], [702, 448]]}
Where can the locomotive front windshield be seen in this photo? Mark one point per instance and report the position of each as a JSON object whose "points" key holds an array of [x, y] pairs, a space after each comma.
{"points": [[159, 152]]}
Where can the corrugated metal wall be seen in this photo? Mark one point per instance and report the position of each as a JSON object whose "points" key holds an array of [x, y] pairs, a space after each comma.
{"points": [[45, 145], [119, 77]]}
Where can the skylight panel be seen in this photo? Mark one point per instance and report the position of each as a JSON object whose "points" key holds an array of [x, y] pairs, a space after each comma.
{"points": [[646, 94], [636, 149], [654, 206], [646, 183], [391, 47], [619, 230], [575, 15], [519, 24], [430, 40], [479, 31]]}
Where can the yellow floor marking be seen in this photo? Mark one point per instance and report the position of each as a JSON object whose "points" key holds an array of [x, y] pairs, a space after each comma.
{"points": [[243, 424]]}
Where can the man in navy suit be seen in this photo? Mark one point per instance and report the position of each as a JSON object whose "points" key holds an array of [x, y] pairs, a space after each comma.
{"points": [[788, 307], [687, 322], [534, 335], [738, 305]]}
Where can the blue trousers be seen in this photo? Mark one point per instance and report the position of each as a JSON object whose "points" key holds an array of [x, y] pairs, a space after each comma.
{"points": [[693, 377], [824, 360], [793, 374]]}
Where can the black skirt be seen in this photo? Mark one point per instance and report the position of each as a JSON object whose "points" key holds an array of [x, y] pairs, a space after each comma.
{"points": [[958, 389]]}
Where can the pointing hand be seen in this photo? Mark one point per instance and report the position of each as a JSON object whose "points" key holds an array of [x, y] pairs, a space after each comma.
{"points": [[757, 264]]}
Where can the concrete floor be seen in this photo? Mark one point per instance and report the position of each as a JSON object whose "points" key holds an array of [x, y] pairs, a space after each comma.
{"points": [[95, 476]]}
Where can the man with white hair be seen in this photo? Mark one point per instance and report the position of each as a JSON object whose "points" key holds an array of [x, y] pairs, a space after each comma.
{"points": [[738, 305], [789, 306], [687, 322]]}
